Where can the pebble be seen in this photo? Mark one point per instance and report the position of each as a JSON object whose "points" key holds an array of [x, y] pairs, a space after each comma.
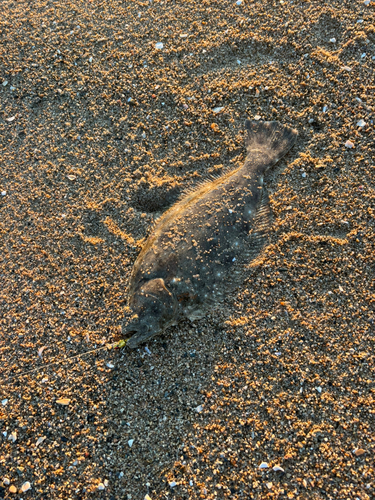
{"points": [[264, 465], [173, 484], [40, 440], [13, 489], [63, 401], [183, 35], [349, 144], [199, 408], [101, 486], [277, 468], [4, 401], [257, 117], [71, 177], [359, 451], [25, 487], [159, 45], [367, 2], [332, 40], [217, 110], [239, 2], [147, 497], [361, 123], [110, 365], [10, 119], [130, 442], [13, 437], [6, 481], [5, 83], [319, 389]]}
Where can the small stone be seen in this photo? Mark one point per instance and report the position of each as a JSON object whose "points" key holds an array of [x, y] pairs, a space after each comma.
{"points": [[199, 408], [10, 119], [238, 61], [347, 68], [5, 83], [332, 40], [257, 117], [183, 35], [172, 484], [361, 123], [105, 482], [130, 442], [4, 401], [13, 489], [101, 486], [277, 468], [367, 2], [239, 2], [90, 60], [349, 144], [71, 177], [6, 481], [269, 486], [359, 451], [110, 365], [40, 440], [147, 497], [159, 45], [319, 389], [303, 174], [63, 401], [13, 436], [25, 487], [264, 465], [218, 109]]}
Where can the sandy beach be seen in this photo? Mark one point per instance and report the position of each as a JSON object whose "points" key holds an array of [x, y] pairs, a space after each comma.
{"points": [[109, 111]]}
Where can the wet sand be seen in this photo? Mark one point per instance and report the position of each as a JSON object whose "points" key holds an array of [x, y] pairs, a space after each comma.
{"points": [[102, 128]]}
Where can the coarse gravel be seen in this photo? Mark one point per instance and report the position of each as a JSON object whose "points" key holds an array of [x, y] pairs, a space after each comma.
{"points": [[109, 110]]}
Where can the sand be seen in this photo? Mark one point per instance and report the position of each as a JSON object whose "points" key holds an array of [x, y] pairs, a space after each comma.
{"points": [[100, 132]]}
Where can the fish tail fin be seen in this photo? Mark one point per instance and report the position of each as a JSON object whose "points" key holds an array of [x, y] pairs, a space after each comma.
{"points": [[272, 138]]}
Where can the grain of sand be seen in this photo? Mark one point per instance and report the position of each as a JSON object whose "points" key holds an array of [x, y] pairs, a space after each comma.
{"points": [[100, 131]]}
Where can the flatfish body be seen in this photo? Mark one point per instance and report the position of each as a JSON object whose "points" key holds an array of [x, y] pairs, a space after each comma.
{"points": [[198, 249]]}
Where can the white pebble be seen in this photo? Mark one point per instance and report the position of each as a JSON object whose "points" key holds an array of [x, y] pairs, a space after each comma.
{"points": [[5, 83], [238, 61], [217, 110], [363, 55], [303, 174], [257, 117], [6, 481], [263, 465], [277, 468], [90, 60], [130, 442], [13, 437], [147, 497], [349, 144], [105, 482], [25, 487], [173, 484], [40, 440], [4, 401], [110, 365], [319, 389], [199, 408], [183, 35], [10, 119], [347, 68], [148, 351], [366, 2], [159, 45], [324, 109], [361, 123], [239, 2], [101, 486], [332, 40]]}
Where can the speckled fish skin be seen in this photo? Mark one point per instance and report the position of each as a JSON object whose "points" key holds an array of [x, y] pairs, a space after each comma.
{"points": [[198, 249]]}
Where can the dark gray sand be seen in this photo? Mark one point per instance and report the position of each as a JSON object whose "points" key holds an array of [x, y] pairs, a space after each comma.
{"points": [[272, 394]]}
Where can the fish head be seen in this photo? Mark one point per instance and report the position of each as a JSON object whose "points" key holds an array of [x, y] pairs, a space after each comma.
{"points": [[153, 308]]}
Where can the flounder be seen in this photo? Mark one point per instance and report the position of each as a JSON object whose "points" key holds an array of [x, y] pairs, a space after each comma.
{"points": [[198, 249]]}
